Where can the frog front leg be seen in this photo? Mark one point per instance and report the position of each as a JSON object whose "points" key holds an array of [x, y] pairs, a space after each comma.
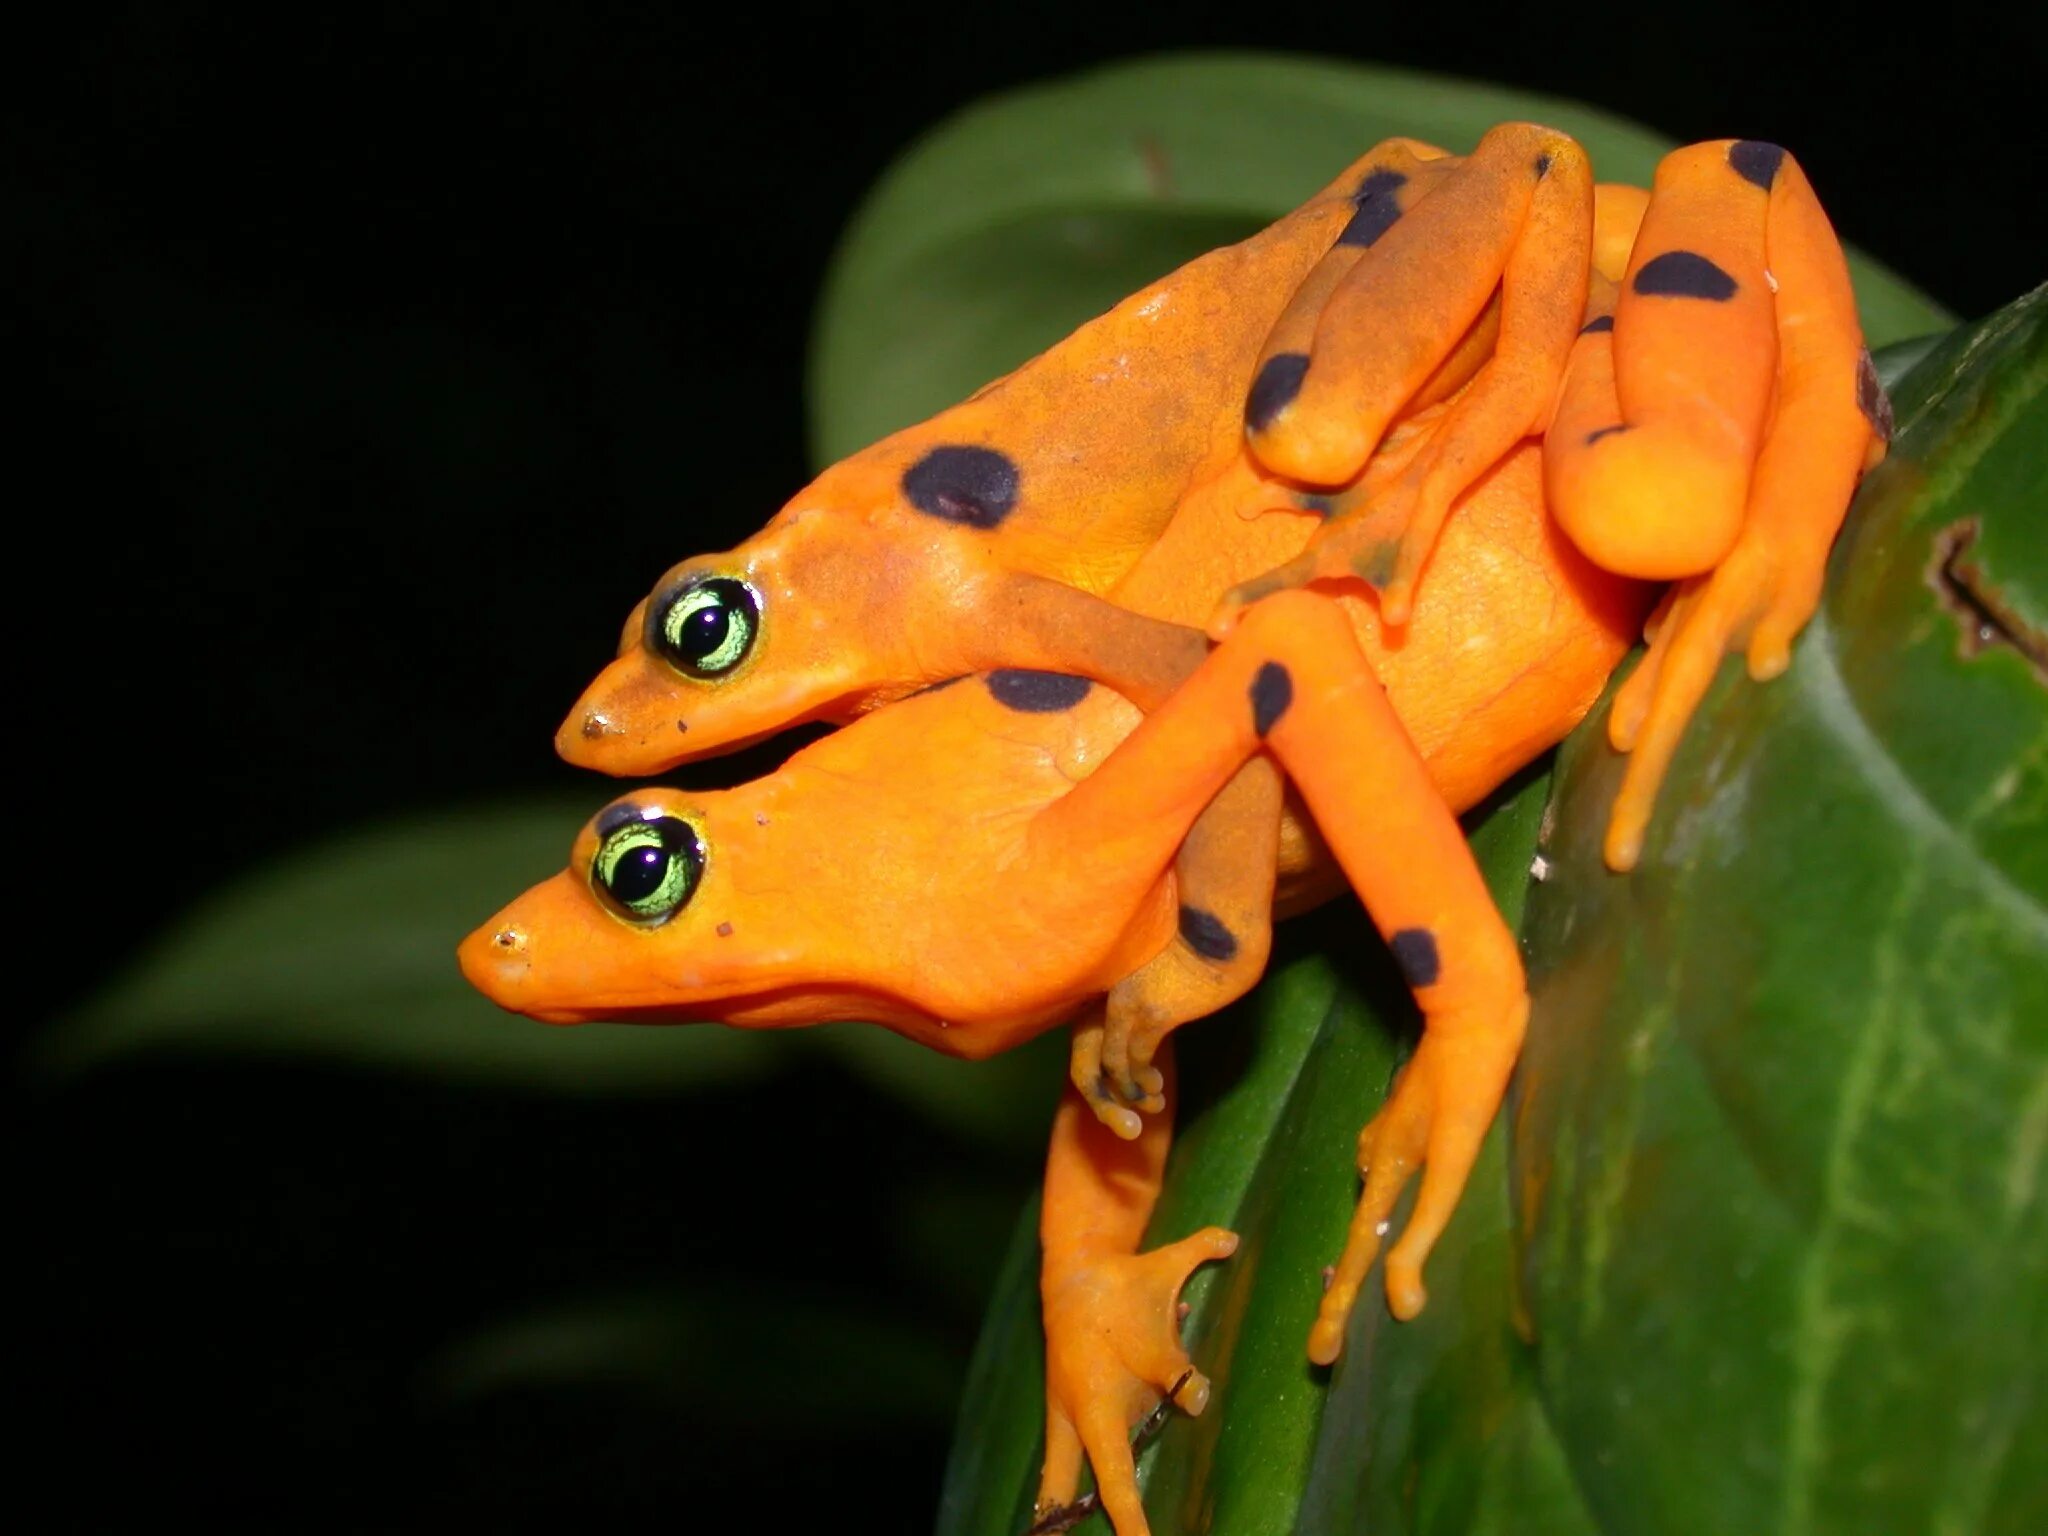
{"points": [[1225, 866], [1224, 875], [1714, 433], [1112, 1323]]}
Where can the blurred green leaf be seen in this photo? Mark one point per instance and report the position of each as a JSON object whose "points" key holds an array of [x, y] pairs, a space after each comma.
{"points": [[346, 952], [778, 1362], [1011, 223]]}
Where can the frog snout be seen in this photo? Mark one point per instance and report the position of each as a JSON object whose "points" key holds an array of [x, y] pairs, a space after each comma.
{"points": [[497, 960]]}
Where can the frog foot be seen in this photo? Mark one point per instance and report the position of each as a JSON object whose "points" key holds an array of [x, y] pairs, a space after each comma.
{"points": [[1713, 436], [1434, 1119], [1215, 961], [1116, 1093], [1064, 1517], [1113, 1060], [1354, 549], [1113, 1357], [1130, 1041], [1761, 597]]}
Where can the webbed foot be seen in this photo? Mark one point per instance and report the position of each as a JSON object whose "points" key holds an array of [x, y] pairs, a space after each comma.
{"points": [[1065, 1517], [1434, 1119], [1113, 1357], [1758, 598]]}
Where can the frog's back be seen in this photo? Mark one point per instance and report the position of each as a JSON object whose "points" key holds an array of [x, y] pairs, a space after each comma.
{"points": [[1512, 638], [1073, 463]]}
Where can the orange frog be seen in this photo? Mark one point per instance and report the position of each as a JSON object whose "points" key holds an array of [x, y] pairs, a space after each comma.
{"points": [[989, 859]]}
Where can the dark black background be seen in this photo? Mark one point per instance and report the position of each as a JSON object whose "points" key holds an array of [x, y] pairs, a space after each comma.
{"points": [[371, 366]]}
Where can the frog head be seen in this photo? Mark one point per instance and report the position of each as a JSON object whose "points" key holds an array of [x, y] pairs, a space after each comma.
{"points": [[769, 906], [657, 919], [851, 596]]}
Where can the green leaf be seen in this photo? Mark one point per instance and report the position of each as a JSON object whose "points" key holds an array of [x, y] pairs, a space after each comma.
{"points": [[1013, 222], [1783, 1132], [779, 1363], [346, 953]]}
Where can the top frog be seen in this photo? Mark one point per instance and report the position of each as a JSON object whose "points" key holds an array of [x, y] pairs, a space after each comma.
{"points": [[1692, 358]]}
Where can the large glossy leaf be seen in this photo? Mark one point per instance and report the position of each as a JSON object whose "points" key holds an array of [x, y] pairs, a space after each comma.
{"points": [[1023, 216], [1783, 1148]]}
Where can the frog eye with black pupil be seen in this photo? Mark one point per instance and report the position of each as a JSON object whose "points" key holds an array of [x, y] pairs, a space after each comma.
{"points": [[707, 627], [646, 869]]}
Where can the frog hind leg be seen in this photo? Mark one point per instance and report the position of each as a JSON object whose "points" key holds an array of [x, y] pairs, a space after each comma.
{"points": [[1224, 873], [1648, 469], [1292, 679], [1516, 217], [1113, 1354], [1721, 444]]}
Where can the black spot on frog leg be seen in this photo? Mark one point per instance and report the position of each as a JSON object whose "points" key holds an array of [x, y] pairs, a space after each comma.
{"points": [[1272, 691], [1415, 952], [1684, 275], [1204, 933], [1379, 208]]}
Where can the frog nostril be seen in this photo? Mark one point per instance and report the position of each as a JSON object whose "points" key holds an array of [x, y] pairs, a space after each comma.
{"points": [[596, 727], [509, 941]]}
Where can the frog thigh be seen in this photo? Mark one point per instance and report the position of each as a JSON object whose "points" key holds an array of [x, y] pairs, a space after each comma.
{"points": [[1517, 216], [1647, 466]]}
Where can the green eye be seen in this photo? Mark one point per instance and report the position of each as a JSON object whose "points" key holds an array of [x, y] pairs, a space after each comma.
{"points": [[707, 627], [647, 865]]}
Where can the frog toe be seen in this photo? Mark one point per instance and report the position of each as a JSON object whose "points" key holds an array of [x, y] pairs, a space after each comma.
{"points": [[1104, 1093], [1114, 1360]]}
